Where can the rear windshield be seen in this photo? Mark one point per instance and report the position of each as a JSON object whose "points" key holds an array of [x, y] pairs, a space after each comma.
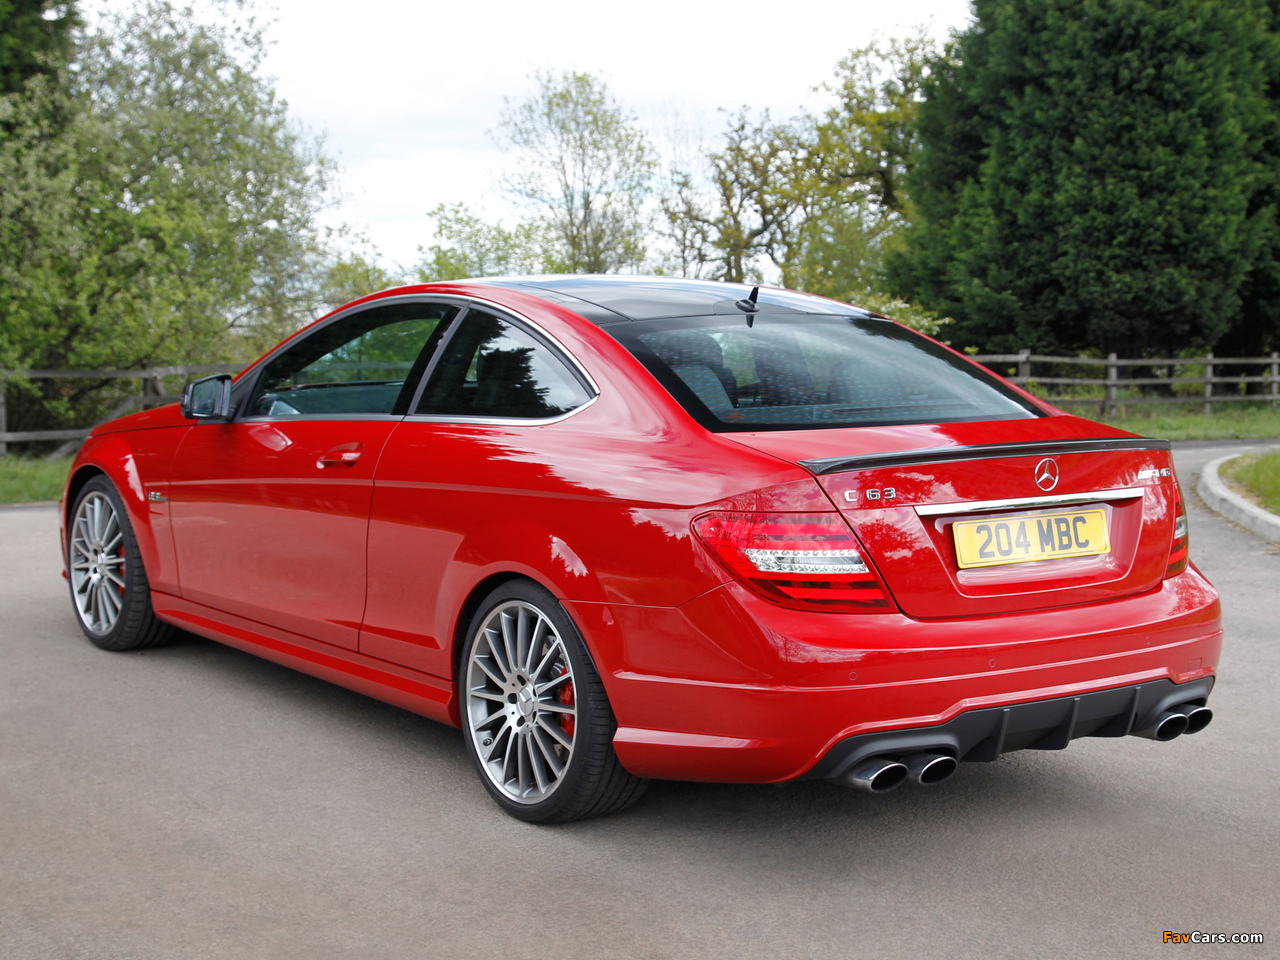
{"points": [[788, 372]]}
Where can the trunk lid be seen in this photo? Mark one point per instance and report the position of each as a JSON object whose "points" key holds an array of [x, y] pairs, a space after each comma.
{"points": [[1032, 498]]}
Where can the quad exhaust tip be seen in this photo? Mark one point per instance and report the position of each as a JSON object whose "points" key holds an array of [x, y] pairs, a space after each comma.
{"points": [[1197, 718], [1174, 722], [929, 769], [877, 775], [882, 774]]}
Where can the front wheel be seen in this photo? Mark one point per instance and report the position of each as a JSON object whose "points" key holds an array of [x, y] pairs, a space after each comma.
{"points": [[536, 720], [109, 588]]}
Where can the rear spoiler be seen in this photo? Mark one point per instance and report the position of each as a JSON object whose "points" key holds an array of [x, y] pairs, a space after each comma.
{"points": [[980, 451]]}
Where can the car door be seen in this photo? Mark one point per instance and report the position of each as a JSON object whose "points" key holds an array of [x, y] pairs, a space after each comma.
{"points": [[450, 469], [270, 511]]}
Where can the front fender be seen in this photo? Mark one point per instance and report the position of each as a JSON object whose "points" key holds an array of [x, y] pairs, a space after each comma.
{"points": [[137, 463]]}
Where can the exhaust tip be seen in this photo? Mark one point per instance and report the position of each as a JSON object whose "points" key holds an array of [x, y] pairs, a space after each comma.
{"points": [[877, 775], [929, 769], [1197, 718], [1168, 726]]}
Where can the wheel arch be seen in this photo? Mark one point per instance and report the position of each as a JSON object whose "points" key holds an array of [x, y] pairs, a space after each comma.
{"points": [[129, 463]]}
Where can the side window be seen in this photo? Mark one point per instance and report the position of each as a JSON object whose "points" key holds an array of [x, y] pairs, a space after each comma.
{"points": [[368, 363], [492, 368]]}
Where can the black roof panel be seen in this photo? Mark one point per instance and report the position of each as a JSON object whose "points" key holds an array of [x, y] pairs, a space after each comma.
{"points": [[650, 298]]}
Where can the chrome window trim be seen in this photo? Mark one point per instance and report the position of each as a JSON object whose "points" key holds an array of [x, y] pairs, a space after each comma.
{"points": [[464, 303], [296, 417], [981, 506], [537, 328], [497, 421], [520, 320]]}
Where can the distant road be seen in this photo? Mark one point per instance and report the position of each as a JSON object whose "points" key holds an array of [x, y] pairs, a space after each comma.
{"points": [[196, 802]]}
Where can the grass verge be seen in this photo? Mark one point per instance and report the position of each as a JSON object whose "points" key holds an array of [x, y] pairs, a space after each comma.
{"points": [[1236, 423], [1259, 476], [30, 481]]}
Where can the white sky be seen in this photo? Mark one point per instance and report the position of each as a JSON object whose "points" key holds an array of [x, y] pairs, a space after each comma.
{"points": [[406, 92]]}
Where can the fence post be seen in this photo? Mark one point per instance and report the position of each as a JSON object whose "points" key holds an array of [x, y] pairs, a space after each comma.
{"points": [[1024, 366], [1275, 378], [1208, 384], [1112, 373], [4, 417]]}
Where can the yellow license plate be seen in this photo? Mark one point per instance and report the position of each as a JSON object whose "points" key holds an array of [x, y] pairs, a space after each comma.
{"points": [[1073, 533]]}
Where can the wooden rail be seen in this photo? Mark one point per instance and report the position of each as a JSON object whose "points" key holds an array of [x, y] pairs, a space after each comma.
{"points": [[1110, 383], [153, 395]]}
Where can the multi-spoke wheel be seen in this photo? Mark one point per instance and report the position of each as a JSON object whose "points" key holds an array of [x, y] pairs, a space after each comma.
{"points": [[538, 725], [108, 583]]}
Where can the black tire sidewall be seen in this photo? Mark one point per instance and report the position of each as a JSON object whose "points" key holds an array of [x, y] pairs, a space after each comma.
{"points": [[572, 791]]}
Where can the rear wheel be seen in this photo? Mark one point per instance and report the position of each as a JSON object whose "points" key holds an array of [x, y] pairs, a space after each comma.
{"points": [[537, 723], [109, 589]]}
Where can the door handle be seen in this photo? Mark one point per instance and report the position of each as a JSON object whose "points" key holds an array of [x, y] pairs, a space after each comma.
{"points": [[343, 455]]}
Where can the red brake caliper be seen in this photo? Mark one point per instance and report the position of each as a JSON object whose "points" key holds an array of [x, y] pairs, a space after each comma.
{"points": [[565, 696]]}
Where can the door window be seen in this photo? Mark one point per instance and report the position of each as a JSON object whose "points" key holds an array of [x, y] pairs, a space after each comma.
{"points": [[493, 368], [367, 363]]}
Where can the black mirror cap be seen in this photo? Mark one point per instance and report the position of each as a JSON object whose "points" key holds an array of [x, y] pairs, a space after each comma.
{"points": [[208, 398]]}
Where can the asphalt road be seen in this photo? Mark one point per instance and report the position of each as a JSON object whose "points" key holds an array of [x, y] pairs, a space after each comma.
{"points": [[196, 802]]}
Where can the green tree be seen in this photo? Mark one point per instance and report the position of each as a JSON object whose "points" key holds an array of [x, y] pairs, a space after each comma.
{"points": [[472, 247], [821, 197], [35, 40], [584, 169], [1088, 175], [172, 220]]}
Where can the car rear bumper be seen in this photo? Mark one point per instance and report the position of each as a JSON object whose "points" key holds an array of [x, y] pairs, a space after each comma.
{"points": [[984, 735], [770, 694]]}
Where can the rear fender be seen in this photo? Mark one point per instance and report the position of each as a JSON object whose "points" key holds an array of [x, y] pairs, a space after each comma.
{"points": [[508, 550]]}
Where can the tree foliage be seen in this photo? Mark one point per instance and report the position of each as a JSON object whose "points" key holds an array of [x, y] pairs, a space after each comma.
{"points": [[1089, 174], [172, 218], [35, 40], [819, 198], [584, 168], [472, 247]]}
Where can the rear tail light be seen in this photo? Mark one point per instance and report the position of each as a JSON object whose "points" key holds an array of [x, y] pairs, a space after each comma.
{"points": [[804, 561], [1178, 549]]}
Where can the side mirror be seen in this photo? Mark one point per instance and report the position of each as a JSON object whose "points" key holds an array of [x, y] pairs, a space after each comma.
{"points": [[208, 398]]}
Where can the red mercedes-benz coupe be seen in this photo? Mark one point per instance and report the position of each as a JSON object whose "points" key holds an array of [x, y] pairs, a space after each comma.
{"points": [[618, 528]]}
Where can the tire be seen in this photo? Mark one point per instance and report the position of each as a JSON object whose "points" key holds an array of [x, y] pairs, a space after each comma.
{"points": [[109, 590], [536, 722]]}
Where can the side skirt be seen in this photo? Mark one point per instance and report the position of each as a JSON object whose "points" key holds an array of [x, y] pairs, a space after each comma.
{"points": [[420, 693]]}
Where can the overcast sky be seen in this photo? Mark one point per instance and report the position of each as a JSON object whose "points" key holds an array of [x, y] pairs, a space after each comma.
{"points": [[406, 92]]}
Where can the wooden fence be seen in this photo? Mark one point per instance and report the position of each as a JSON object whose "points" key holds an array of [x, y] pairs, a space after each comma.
{"points": [[153, 394], [1109, 385], [1015, 366]]}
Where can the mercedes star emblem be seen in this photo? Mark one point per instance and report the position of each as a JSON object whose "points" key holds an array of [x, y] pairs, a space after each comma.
{"points": [[1047, 474]]}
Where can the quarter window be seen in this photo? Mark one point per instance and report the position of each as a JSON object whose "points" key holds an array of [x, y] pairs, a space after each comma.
{"points": [[368, 363], [493, 368]]}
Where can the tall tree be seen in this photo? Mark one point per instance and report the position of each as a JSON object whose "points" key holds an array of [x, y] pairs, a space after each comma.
{"points": [[174, 219], [35, 40], [471, 247], [820, 197], [1088, 174], [583, 167]]}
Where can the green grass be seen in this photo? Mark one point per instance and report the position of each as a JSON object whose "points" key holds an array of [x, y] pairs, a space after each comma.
{"points": [[1259, 475], [30, 481], [1227, 422]]}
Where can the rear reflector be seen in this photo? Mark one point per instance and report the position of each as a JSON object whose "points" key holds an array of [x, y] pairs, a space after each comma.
{"points": [[1178, 549], [804, 561]]}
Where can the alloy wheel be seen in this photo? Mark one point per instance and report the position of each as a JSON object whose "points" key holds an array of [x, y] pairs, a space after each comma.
{"points": [[97, 563], [520, 706]]}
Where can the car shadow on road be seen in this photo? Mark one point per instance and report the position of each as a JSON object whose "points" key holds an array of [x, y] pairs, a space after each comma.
{"points": [[990, 805]]}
